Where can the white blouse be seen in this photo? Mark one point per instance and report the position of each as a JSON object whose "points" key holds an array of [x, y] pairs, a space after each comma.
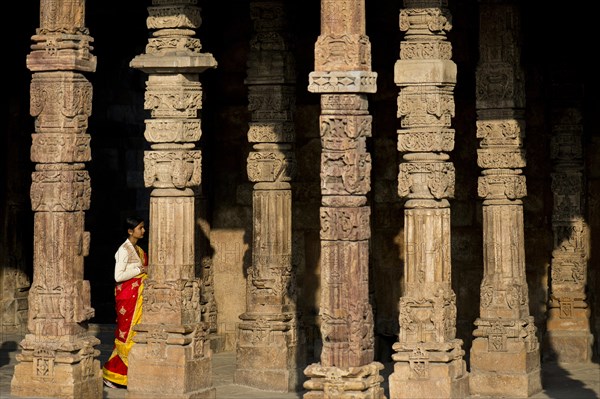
{"points": [[127, 262]]}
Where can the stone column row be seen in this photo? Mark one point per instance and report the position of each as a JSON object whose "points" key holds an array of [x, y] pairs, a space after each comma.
{"points": [[58, 357]]}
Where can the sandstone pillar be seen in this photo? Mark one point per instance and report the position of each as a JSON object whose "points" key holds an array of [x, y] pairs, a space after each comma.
{"points": [[269, 353], [505, 356], [171, 338], [14, 281], [343, 76], [58, 358], [429, 358], [568, 337], [205, 269]]}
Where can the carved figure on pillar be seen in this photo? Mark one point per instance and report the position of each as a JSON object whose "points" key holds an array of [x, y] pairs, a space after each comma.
{"points": [[428, 362], [269, 340], [58, 356], [343, 77], [171, 338], [505, 347]]}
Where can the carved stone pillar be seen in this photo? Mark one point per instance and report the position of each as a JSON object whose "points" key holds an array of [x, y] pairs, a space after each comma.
{"points": [[171, 338], [205, 269], [269, 351], [14, 281], [343, 76], [568, 337], [505, 356], [58, 358], [429, 358]]}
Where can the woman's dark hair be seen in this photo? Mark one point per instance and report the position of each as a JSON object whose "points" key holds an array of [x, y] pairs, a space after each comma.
{"points": [[131, 222]]}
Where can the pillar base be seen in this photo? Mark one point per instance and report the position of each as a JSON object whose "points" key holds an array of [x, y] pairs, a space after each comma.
{"points": [[269, 350], [216, 343], [70, 370], [363, 382], [505, 385], [440, 383], [189, 373], [512, 373], [568, 346], [209, 393], [276, 380]]}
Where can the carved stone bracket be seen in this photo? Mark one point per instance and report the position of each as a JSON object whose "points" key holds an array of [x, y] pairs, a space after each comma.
{"points": [[425, 140], [172, 169], [433, 180], [271, 163], [172, 130]]}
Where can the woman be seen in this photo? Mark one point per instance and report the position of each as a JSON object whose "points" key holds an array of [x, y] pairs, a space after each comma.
{"points": [[131, 263]]}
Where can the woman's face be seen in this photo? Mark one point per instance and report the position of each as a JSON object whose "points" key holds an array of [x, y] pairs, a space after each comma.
{"points": [[138, 231]]}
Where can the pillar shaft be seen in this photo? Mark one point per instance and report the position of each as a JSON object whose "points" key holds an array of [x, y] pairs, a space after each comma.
{"points": [[171, 338], [429, 358], [58, 358], [343, 77], [505, 348]]}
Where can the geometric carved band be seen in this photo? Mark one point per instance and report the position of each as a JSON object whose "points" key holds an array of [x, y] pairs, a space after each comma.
{"points": [[271, 165], [345, 51], [271, 132], [425, 18], [500, 332], [500, 132], [336, 382], [350, 223], [55, 50], [172, 130], [425, 106], [173, 96], [174, 16], [347, 103], [60, 148], [171, 44], [343, 82], [61, 102], [60, 191], [507, 185], [568, 273], [336, 127], [426, 180], [425, 140], [566, 147], [501, 158], [426, 50], [345, 173]]}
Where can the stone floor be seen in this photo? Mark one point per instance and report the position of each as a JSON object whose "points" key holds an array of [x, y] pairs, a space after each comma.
{"points": [[560, 381]]}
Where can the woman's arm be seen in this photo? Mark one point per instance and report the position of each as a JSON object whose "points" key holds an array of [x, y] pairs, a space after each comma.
{"points": [[127, 264]]}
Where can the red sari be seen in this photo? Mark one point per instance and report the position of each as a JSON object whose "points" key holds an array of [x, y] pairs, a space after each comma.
{"points": [[128, 304]]}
